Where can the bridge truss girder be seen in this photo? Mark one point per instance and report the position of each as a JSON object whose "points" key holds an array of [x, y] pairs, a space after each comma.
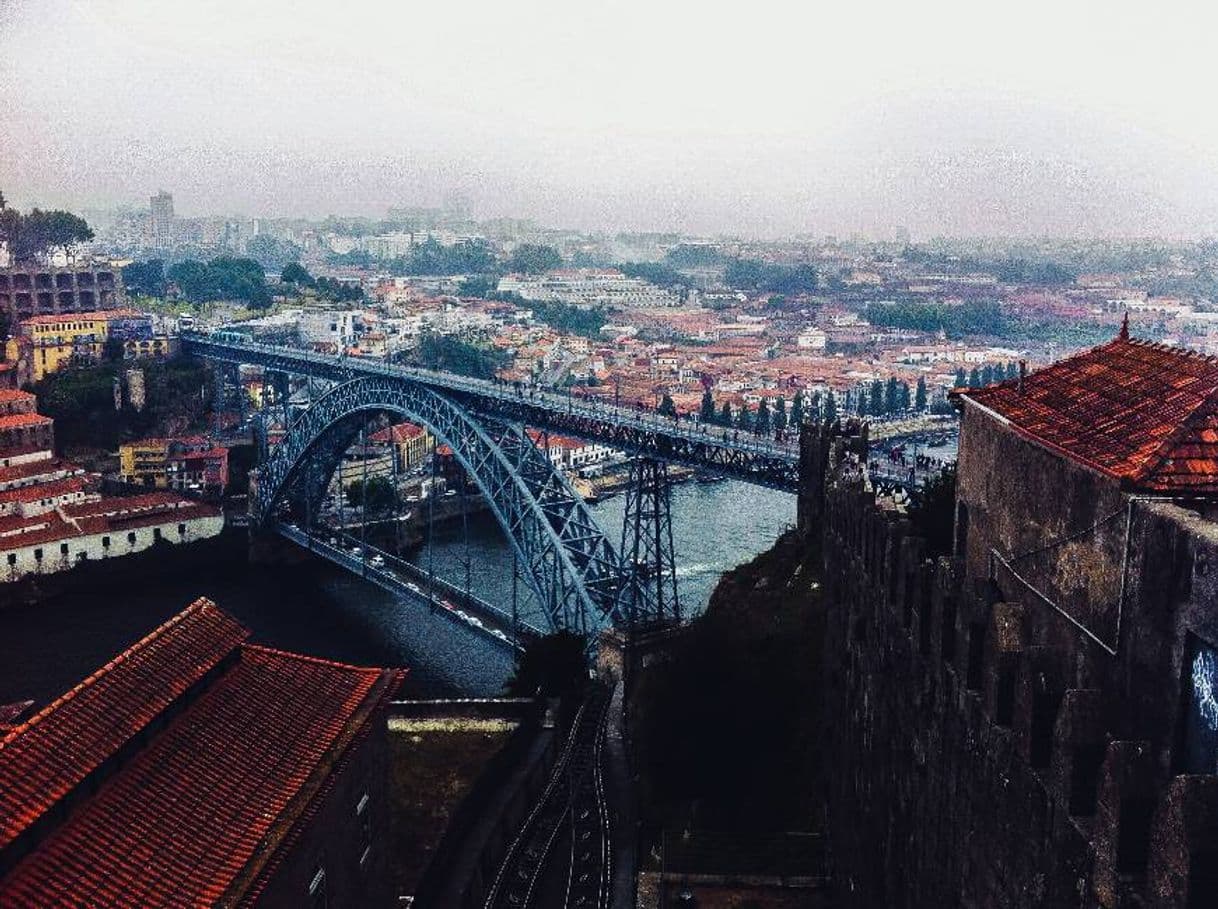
{"points": [[568, 561]]}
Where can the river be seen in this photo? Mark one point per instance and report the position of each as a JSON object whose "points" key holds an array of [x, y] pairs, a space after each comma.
{"points": [[322, 610]]}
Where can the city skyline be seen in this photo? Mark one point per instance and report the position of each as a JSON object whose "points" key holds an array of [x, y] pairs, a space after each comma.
{"points": [[623, 117]]}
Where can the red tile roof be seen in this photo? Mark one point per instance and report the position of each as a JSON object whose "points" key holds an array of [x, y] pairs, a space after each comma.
{"points": [[1142, 413], [14, 420], [401, 432], [12, 394], [201, 813]]}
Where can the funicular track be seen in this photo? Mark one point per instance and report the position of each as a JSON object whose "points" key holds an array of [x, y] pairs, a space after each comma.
{"points": [[561, 855]]}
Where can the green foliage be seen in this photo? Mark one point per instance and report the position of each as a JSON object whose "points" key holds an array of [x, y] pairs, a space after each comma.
{"points": [[707, 410], [830, 408], [797, 409], [339, 291], [725, 414], [479, 286], [378, 492], [451, 354], [271, 252], [744, 419], [983, 318], [430, 258], [762, 422], [920, 395], [692, 256], [762, 277], [534, 259], [667, 407], [933, 511], [295, 273], [40, 233], [567, 318], [552, 666], [961, 380], [145, 278], [655, 272], [1020, 271], [81, 401], [223, 278]]}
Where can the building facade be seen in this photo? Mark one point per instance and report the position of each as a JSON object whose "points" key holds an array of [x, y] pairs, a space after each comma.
{"points": [[26, 292]]}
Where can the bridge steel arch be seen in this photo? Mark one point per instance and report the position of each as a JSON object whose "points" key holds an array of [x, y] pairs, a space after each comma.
{"points": [[571, 565]]}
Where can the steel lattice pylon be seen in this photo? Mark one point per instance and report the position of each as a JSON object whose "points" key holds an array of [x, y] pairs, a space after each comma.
{"points": [[568, 561], [650, 593]]}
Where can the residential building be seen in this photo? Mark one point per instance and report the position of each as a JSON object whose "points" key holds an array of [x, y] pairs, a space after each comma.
{"points": [[25, 434], [44, 344], [335, 329], [589, 287], [100, 790], [411, 444], [28, 291], [186, 462]]}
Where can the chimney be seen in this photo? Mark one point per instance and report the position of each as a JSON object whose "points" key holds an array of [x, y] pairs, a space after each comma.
{"points": [[1023, 372]]}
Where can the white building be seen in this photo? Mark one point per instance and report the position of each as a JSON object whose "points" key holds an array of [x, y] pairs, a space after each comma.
{"points": [[337, 327], [589, 287]]}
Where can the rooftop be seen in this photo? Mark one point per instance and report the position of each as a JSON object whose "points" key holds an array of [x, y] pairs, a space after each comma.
{"points": [[1142, 413], [257, 744]]}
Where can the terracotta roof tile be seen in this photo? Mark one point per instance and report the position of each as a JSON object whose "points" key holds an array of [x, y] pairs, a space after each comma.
{"points": [[202, 813], [1145, 414]]}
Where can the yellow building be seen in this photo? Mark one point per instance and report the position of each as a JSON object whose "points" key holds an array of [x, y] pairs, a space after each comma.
{"points": [[145, 462], [58, 341], [412, 444]]}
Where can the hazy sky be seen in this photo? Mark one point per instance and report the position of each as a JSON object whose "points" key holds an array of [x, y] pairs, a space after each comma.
{"points": [[759, 117]]}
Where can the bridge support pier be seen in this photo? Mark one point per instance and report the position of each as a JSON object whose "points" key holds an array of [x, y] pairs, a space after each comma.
{"points": [[649, 564]]}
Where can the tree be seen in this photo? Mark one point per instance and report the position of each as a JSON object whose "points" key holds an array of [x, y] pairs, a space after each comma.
{"points": [[477, 286], [667, 407], [797, 409], [903, 397], [568, 318], [830, 408], [960, 381], [377, 493], [974, 378], [534, 259], [145, 278], [450, 353], [920, 395], [41, 233], [892, 396], [550, 666], [744, 419], [762, 424], [725, 414], [223, 278], [1012, 370], [863, 404], [780, 414], [295, 273], [987, 375], [876, 404], [707, 413]]}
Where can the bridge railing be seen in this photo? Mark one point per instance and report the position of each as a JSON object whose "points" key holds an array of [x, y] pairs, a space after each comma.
{"points": [[645, 420]]}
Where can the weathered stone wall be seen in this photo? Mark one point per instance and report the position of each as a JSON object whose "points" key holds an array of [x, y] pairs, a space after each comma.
{"points": [[984, 750]]}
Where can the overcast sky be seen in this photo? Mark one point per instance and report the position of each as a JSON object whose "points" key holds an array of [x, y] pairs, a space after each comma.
{"points": [[759, 118]]}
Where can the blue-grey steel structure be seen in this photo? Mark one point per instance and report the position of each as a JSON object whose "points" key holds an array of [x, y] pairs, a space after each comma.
{"points": [[571, 566]]}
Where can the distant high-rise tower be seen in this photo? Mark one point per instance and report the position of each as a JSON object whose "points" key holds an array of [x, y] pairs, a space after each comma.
{"points": [[162, 219]]}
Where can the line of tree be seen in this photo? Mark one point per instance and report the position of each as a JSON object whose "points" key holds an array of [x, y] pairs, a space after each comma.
{"points": [[568, 318], [980, 318], [331, 289], [38, 234], [764, 419], [762, 277], [654, 272], [986, 375]]}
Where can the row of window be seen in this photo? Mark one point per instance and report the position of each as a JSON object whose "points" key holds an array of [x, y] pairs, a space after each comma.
{"points": [[63, 547], [319, 897]]}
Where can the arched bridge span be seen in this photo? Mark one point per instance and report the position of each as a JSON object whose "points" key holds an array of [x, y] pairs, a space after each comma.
{"points": [[570, 564]]}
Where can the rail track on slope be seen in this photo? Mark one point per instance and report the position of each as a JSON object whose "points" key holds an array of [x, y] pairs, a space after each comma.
{"points": [[562, 854]]}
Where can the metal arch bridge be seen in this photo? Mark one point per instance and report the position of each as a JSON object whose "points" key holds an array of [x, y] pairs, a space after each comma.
{"points": [[763, 461], [572, 567]]}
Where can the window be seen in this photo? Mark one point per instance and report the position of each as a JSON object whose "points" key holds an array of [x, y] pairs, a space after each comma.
{"points": [[364, 815], [38, 555], [1201, 714], [105, 542], [131, 537], [181, 530], [156, 534], [317, 890], [12, 558], [63, 548]]}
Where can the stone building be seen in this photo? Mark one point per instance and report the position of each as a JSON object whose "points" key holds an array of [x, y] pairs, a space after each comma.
{"points": [[1029, 721], [28, 291], [196, 769]]}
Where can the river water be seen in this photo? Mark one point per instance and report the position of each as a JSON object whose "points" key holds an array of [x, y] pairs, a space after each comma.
{"points": [[322, 610]]}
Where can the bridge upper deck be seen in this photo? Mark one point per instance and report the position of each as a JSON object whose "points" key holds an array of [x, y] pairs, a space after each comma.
{"points": [[766, 461]]}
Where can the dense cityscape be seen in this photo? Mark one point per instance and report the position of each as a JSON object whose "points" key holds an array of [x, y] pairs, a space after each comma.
{"points": [[629, 456]]}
